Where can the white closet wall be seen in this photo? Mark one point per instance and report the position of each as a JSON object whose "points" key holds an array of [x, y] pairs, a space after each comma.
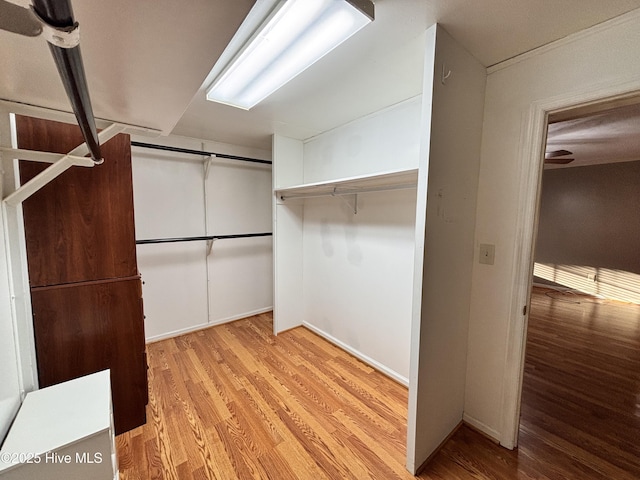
{"points": [[169, 202], [355, 269], [9, 376], [288, 303], [386, 140], [358, 276], [184, 289], [447, 188], [18, 371], [240, 270], [387, 274], [358, 267]]}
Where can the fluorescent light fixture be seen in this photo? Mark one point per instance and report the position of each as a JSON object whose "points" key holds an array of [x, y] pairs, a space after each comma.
{"points": [[288, 37]]}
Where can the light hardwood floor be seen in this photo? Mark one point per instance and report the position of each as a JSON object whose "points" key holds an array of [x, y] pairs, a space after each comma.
{"points": [[234, 402]]}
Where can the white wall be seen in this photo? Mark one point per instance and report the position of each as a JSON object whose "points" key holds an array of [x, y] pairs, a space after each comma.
{"points": [[18, 370], [358, 268], [288, 304], [599, 62], [447, 187], [9, 371], [358, 275], [385, 140], [347, 276], [183, 288], [240, 270]]}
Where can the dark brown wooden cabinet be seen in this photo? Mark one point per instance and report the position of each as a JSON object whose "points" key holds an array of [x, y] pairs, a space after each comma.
{"points": [[80, 226], [91, 326], [85, 287]]}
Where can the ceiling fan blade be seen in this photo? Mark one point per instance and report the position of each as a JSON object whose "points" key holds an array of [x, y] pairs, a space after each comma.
{"points": [[558, 161], [17, 19], [557, 153]]}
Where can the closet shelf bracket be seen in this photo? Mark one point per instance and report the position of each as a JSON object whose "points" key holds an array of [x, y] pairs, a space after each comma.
{"points": [[58, 167], [207, 164], [45, 157], [350, 200]]}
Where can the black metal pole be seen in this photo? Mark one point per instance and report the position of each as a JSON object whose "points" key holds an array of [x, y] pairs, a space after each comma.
{"points": [[202, 238], [198, 152], [59, 14]]}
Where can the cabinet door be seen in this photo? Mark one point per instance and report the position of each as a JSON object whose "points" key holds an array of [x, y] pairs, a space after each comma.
{"points": [[82, 329], [80, 226]]}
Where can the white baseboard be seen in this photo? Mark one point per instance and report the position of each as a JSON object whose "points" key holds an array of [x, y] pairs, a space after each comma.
{"points": [[176, 333], [557, 287], [240, 316], [202, 326], [485, 429], [359, 355]]}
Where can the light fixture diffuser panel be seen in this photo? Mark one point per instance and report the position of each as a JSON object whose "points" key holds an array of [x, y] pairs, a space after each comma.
{"points": [[290, 40]]}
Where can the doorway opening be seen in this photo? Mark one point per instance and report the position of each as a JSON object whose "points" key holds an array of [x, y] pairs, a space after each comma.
{"points": [[581, 377]]}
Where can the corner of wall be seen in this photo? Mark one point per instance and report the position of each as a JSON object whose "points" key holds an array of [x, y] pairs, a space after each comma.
{"points": [[449, 179], [287, 237]]}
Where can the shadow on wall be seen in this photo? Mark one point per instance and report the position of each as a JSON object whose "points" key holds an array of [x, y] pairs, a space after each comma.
{"points": [[589, 229], [604, 282]]}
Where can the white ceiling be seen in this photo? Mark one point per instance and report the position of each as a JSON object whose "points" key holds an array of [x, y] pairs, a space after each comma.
{"points": [[147, 59], [143, 59], [605, 137], [383, 63]]}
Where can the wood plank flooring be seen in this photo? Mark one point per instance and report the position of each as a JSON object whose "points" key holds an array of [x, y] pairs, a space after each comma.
{"points": [[581, 390], [234, 402], [580, 403]]}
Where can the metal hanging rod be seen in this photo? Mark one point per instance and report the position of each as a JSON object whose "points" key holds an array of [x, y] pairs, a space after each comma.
{"points": [[61, 32], [198, 152], [202, 238]]}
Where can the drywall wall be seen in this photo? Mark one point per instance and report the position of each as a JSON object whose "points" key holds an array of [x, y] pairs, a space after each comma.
{"points": [[358, 274], [184, 289], [358, 267], [599, 62], [240, 270], [288, 304], [589, 227], [169, 202], [453, 101], [589, 216], [386, 140], [9, 373], [18, 373]]}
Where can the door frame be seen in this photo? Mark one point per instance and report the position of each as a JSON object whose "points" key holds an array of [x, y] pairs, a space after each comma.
{"points": [[532, 145]]}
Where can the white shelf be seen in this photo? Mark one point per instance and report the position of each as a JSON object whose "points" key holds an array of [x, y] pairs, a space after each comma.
{"points": [[394, 180]]}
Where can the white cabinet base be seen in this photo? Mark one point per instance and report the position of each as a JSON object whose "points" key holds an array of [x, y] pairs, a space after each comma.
{"points": [[63, 432]]}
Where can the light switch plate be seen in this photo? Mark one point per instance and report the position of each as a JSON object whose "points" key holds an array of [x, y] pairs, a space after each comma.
{"points": [[487, 253]]}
